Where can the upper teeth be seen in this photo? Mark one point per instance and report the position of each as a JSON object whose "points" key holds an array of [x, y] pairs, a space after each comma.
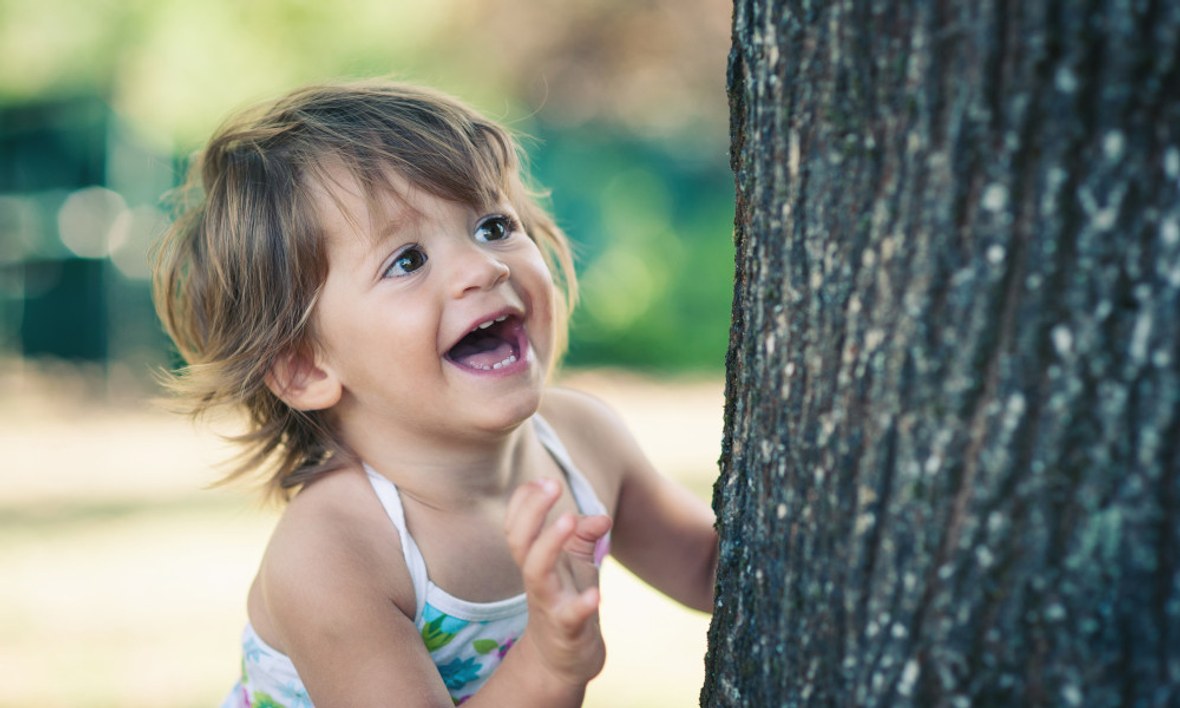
{"points": [[489, 323]]}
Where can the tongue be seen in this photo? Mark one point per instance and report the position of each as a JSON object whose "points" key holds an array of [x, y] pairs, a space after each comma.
{"points": [[481, 350]]}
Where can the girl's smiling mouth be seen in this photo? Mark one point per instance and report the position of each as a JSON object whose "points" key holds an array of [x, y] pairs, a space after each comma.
{"points": [[496, 344]]}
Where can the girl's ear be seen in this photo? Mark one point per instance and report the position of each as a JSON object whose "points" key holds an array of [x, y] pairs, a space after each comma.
{"points": [[303, 383]]}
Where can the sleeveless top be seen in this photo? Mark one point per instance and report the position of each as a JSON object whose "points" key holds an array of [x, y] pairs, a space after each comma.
{"points": [[466, 640]]}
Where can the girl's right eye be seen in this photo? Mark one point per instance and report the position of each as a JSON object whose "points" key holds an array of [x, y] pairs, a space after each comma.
{"points": [[406, 262]]}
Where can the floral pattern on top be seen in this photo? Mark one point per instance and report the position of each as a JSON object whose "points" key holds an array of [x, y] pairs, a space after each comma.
{"points": [[466, 652]]}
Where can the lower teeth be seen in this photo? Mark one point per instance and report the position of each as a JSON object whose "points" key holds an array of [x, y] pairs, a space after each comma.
{"points": [[500, 364]]}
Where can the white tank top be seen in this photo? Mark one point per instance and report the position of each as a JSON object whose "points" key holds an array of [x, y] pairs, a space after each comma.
{"points": [[467, 640]]}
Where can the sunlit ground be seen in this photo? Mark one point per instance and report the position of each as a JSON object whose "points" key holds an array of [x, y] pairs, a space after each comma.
{"points": [[122, 580]]}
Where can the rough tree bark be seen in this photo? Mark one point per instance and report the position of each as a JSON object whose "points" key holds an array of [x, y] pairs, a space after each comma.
{"points": [[951, 467]]}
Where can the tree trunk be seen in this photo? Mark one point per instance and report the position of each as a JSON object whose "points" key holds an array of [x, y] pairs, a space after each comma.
{"points": [[951, 467]]}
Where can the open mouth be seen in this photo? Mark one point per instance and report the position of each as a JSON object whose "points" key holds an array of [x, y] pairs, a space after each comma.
{"points": [[492, 345]]}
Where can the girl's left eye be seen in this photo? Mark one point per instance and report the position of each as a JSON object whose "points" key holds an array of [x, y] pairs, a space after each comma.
{"points": [[495, 228]]}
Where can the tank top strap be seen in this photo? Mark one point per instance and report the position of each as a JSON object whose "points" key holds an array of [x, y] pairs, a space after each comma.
{"points": [[584, 495], [391, 500]]}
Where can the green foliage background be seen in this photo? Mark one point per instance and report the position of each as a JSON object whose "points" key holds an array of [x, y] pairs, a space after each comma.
{"points": [[624, 103]]}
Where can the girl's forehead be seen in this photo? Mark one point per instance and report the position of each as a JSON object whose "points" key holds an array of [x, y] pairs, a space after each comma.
{"points": [[380, 174], [375, 208], [365, 206]]}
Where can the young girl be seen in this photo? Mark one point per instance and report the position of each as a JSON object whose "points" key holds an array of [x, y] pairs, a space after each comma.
{"points": [[363, 272]]}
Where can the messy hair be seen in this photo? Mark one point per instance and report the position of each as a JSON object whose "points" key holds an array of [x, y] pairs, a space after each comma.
{"points": [[239, 272]]}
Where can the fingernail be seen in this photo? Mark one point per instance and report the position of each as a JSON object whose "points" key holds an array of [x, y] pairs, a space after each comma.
{"points": [[601, 549], [549, 486]]}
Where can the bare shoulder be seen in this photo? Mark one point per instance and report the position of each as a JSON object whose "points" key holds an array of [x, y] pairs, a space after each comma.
{"points": [[333, 550], [336, 597], [583, 419], [563, 405], [597, 438]]}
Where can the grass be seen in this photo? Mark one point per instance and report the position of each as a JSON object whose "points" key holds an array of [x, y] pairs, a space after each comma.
{"points": [[123, 579]]}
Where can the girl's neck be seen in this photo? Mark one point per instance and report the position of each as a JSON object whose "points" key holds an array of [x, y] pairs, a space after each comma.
{"points": [[452, 474]]}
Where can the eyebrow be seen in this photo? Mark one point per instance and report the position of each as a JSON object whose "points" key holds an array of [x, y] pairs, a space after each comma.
{"points": [[389, 216]]}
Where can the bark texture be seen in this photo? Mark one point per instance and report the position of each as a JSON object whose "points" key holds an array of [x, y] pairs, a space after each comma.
{"points": [[951, 467]]}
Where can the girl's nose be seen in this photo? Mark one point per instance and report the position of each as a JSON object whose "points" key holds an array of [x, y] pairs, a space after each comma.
{"points": [[475, 269]]}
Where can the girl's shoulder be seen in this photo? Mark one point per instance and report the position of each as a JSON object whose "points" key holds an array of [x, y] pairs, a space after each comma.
{"points": [[579, 417], [333, 588], [596, 437], [328, 507], [334, 534]]}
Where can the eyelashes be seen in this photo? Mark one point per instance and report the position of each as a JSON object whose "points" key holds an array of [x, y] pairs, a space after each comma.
{"points": [[410, 259], [497, 227], [492, 229]]}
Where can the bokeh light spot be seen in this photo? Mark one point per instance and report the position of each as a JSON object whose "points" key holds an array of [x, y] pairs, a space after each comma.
{"points": [[85, 221]]}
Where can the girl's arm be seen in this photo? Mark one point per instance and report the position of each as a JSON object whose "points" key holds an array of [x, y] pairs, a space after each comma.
{"points": [[355, 643], [667, 536], [662, 532]]}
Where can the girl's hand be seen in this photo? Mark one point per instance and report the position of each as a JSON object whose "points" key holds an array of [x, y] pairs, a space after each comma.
{"points": [[561, 581]]}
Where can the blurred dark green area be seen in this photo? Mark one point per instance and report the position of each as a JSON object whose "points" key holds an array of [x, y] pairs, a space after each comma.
{"points": [[623, 104], [651, 227]]}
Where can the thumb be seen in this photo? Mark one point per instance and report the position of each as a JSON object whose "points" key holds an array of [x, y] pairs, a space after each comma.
{"points": [[590, 541]]}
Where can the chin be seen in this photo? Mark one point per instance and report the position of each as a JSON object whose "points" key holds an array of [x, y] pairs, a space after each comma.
{"points": [[510, 412], [520, 413]]}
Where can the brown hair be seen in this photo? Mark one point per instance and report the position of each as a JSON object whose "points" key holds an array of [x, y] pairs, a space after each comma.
{"points": [[239, 272]]}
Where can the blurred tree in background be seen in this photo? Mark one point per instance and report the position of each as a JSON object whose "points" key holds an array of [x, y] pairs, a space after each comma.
{"points": [[623, 103]]}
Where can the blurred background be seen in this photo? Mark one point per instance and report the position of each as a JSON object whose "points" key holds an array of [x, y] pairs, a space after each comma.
{"points": [[121, 577]]}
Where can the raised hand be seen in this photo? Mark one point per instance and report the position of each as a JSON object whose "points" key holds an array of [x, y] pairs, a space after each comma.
{"points": [[561, 580]]}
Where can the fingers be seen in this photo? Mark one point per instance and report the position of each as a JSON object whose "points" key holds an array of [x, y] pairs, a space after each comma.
{"points": [[541, 562], [526, 513], [588, 540], [575, 614], [562, 588], [538, 549]]}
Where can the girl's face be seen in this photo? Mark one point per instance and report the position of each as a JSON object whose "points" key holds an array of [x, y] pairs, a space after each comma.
{"points": [[435, 318]]}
